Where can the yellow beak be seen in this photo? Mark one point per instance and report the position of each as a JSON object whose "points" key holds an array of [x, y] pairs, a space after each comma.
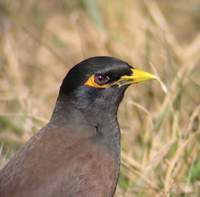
{"points": [[137, 76]]}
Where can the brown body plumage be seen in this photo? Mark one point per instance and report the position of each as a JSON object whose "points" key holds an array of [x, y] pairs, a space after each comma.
{"points": [[77, 154]]}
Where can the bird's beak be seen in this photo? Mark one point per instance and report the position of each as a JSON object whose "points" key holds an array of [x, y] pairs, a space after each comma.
{"points": [[137, 76]]}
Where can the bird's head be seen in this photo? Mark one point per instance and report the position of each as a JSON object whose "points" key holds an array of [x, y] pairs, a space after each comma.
{"points": [[100, 81]]}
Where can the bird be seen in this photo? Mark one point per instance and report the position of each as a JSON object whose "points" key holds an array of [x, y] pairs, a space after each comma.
{"points": [[77, 153]]}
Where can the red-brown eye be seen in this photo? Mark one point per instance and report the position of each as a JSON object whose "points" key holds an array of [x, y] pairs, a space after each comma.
{"points": [[101, 79]]}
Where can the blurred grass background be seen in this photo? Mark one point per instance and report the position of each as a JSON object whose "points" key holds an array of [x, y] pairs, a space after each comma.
{"points": [[41, 40]]}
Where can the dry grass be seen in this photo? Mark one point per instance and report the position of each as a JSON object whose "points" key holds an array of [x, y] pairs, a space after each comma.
{"points": [[160, 130]]}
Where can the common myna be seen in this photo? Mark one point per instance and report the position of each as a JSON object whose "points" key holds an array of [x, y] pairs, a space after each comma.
{"points": [[77, 154]]}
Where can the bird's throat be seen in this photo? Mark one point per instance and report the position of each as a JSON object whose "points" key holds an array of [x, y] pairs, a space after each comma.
{"points": [[99, 116]]}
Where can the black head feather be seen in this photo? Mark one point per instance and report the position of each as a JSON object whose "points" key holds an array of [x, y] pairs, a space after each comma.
{"points": [[78, 75]]}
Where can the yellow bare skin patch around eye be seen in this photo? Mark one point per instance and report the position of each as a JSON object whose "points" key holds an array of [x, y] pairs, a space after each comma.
{"points": [[91, 82]]}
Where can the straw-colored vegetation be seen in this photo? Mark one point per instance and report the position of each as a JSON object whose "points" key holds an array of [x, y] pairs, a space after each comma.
{"points": [[41, 40]]}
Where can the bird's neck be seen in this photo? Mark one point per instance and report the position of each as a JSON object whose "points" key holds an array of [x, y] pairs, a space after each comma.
{"points": [[102, 118]]}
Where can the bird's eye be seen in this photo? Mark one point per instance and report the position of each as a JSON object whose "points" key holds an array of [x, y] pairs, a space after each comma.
{"points": [[101, 79]]}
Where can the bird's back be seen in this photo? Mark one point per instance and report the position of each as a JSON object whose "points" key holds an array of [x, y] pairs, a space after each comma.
{"points": [[58, 162]]}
